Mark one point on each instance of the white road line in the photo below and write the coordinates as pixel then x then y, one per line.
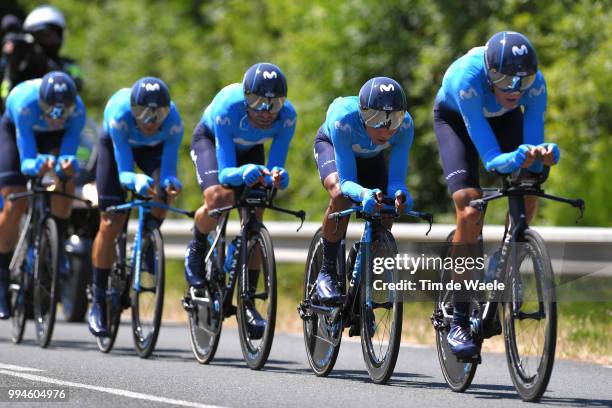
pixel 115 391
pixel 18 368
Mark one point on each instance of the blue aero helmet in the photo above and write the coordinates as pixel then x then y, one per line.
pixel 382 103
pixel 57 95
pixel 150 100
pixel 265 87
pixel 510 61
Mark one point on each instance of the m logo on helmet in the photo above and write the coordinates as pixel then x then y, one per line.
pixel 269 75
pixel 519 50
pixel 60 87
pixel 151 87
pixel 386 88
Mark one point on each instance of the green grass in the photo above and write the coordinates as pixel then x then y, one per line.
pixel 583 329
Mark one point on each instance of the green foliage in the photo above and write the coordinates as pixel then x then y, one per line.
pixel 328 49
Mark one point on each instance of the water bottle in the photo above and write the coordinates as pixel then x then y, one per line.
pixel 492 269
pixel 232 250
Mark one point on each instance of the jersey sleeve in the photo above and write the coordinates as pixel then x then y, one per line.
pixel 470 104
pixel 118 130
pixel 171 147
pixel 280 145
pixel 398 162
pixel 533 122
pixel 26 141
pixel 345 160
pixel 74 127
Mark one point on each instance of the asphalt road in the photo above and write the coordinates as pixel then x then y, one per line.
pixel 173 377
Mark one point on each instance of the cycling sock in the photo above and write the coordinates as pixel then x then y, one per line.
pixel 151 222
pixel 198 236
pixel 62 228
pixel 100 277
pixel 330 253
pixel 460 313
pixel 5 262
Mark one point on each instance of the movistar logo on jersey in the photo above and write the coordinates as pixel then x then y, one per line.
pixel 176 129
pixel 150 87
pixel 119 125
pixel 467 94
pixel 60 87
pixel 344 127
pixel 289 122
pixel 269 75
pixel 222 120
pixel 533 92
pixel 519 50
pixel 386 88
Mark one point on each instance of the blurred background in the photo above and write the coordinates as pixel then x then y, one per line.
pixel 329 49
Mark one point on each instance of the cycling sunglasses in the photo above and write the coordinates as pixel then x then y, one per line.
pixel 263 103
pixel 149 114
pixel 510 83
pixel 58 111
pixel 382 119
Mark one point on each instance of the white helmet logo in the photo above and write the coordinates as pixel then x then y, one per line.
pixel 269 75
pixel 60 87
pixel 386 88
pixel 519 50
pixel 151 87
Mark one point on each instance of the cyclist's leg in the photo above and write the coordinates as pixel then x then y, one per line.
pixel 460 164
pixel 111 225
pixel 508 129
pixel 214 196
pixel 11 181
pixel 327 288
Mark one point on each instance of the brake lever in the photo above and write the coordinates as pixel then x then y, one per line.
pixel 480 205
pixel 302 216
pixel 579 203
pixel 429 218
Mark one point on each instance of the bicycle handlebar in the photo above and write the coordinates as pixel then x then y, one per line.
pixel 386 209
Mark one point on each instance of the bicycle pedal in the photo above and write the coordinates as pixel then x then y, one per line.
pixel 303 310
pixel 475 359
pixel 187 304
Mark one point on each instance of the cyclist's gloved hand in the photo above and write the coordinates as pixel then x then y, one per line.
pixel 251 173
pixel 172 182
pixel 508 162
pixel 369 200
pixel 65 162
pixel 550 156
pixel 403 198
pixel 284 176
pixel 140 183
pixel 32 167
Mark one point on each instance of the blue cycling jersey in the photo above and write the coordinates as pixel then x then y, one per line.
pixel 226 117
pixel 120 124
pixel 24 112
pixel 347 132
pixel 465 90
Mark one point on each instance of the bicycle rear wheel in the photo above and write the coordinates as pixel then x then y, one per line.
pixel 260 256
pixel 381 316
pixel 46 266
pixel 148 302
pixel 322 334
pixel 458 375
pixel 530 319
pixel 20 295
pixel 118 289
pixel 205 312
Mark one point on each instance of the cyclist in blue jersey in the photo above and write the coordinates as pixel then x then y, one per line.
pixel 39 132
pixel 491 106
pixel 348 150
pixel 227 149
pixel 141 126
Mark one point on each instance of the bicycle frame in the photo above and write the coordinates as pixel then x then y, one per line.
pixel 144 206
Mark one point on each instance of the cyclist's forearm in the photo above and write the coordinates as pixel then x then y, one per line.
pixel 351 189
pixel 232 175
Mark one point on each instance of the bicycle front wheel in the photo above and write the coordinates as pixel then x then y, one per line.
pixel 260 297
pixel 148 299
pixel 46 265
pixel 381 315
pixel 530 317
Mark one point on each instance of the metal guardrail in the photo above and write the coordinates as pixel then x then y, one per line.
pixel 574 250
